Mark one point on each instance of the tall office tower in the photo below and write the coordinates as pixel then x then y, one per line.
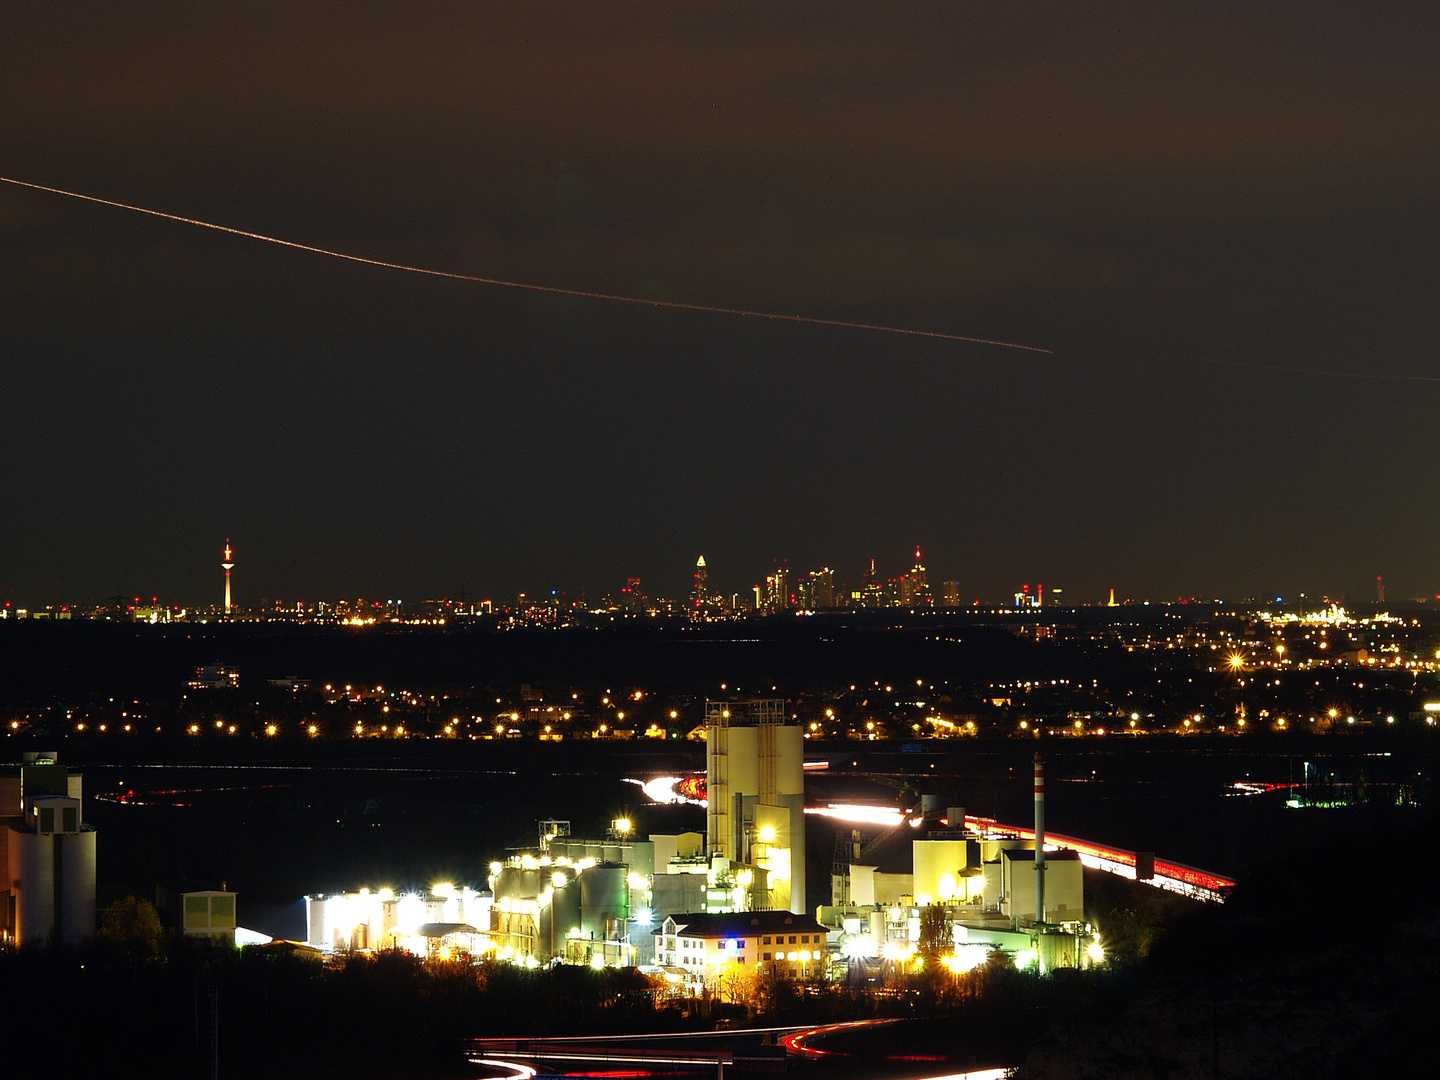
pixel 780 586
pixel 47 862
pixel 699 590
pixel 632 597
pixel 817 589
pixel 872 589
pixel 915 586
pixel 228 564
pixel 950 591
pixel 755 791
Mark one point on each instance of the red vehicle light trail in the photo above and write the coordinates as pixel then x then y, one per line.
pixel 1172 876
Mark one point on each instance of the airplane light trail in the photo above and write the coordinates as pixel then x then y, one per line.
pixel 555 290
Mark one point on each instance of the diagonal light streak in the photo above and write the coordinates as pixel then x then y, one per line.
pixel 528 286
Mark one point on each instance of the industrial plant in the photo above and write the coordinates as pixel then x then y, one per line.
pixel 692 906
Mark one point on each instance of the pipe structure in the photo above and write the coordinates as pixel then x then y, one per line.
pixel 1039 839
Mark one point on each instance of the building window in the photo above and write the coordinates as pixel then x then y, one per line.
pixel 804 939
pixel 792 939
pixel 767 956
pixel 766 939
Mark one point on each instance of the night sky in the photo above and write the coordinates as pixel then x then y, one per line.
pixel 1144 189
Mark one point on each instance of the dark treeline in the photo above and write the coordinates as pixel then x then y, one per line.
pixel 1323 964
pixel 282 1014
pixel 285 1014
pixel 74 659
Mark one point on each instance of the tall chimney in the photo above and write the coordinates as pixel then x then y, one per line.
pixel 1039 839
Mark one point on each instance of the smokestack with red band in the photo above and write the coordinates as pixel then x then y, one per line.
pixel 1039 839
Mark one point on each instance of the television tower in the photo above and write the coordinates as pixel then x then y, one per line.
pixel 228 564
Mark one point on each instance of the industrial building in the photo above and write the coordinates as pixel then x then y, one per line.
pixel 442 919
pixel 199 913
pixel 702 945
pixel 47 863
pixel 755 791
pixel 996 888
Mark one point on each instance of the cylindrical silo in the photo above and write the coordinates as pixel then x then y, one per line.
pixel 604 895
pixel 789 760
pixel 77 886
pixel 566 907
pixel 32 863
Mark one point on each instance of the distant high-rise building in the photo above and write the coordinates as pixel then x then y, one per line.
pixel 632 597
pixel 950 593
pixel 872 589
pixel 778 585
pixel 699 591
pixel 817 589
pixel 915 586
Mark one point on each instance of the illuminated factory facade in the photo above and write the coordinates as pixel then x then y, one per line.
pixel 985 878
pixel 429 923
pixel 580 900
pixel 755 791
pixel 598 901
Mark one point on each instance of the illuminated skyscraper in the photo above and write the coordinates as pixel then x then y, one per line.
pixel 817 589
pixel 872 589
pixel 778 585
pixel 228 564
pixel 632 596
pixel 915 586
pixel 699 591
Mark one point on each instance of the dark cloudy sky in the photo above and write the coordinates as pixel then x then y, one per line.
pixel 1143 188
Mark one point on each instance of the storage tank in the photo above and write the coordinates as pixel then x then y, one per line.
pixel 604 895
pixel 789 760
pixel 315 922
pixel 77 886
pixel 32 861
pixel 565 908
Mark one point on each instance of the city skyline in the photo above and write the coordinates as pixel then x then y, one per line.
pixel 780 588
pixel 1219 221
